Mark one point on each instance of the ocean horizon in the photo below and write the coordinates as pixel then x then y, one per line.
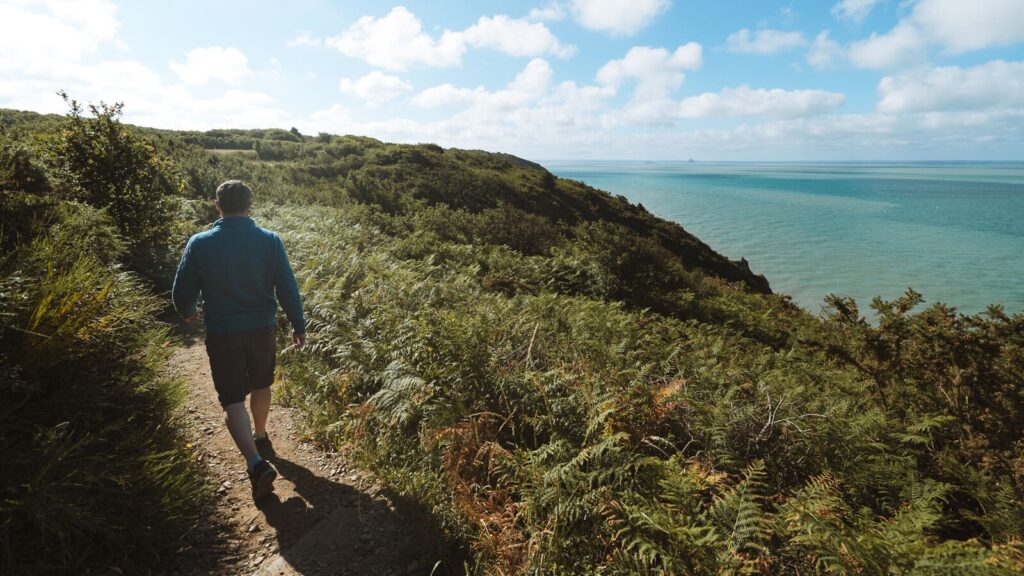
pixel 951 230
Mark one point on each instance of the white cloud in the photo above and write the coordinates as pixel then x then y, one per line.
pixel 397 40
pixel 552 11
pixel 766 41
pixel 51 45
pixel 447 95
pixel 375 87
pixel 336 119
pixel 957 26
pixel 515 37
pixel 960 26
pixel 824 52
pixel 529 85
pixel 235 108
pixel 33 32
pixel 149 101
pixel 993 85
pixel 228 65
pixel 745 101
pixel 617 17
pixel 533 81
pixel 657 72
pixel 901 46
pixel 305 38
pixel 952 135
pixel 530 109
pixel 856 10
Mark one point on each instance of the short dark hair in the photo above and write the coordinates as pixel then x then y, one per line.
pixel 234 197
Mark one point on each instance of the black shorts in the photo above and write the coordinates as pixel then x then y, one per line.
pixel 241 362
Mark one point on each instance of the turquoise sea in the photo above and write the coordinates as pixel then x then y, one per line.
pixel 952 231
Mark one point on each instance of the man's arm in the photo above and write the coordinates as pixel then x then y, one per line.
pixel 185 291
pixel 288 293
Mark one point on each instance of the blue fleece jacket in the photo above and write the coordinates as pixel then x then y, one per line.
pixel 238 267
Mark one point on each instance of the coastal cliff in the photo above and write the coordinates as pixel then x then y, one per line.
pixel 555 379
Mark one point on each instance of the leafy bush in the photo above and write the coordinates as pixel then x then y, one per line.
pixel 20 169
pixel 104 164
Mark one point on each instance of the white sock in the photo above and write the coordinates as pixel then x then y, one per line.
pixel 241 432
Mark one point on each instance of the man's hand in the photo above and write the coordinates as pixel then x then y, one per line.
pixel 298 340
pixel 193 318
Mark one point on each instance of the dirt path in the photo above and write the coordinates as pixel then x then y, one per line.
pixel 325 517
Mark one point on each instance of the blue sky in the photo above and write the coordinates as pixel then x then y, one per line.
pixel 561 79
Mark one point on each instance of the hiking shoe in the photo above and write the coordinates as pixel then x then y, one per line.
pixel 264 446
pixel 262 477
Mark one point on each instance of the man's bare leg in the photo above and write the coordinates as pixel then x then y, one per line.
pixel 237 420
pixel 261 474
pixel 259 403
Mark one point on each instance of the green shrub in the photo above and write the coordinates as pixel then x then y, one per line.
pixel 521 231
pixel 104 164
pixel 93 476
pixel 574 434
pixel 20 169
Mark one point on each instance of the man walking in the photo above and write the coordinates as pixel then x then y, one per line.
pixel 238 267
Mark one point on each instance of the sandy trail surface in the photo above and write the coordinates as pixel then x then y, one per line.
pixel 325 517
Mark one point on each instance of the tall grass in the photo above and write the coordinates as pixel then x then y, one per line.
pixel 94 473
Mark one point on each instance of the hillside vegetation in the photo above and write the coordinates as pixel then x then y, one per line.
pixel 570 384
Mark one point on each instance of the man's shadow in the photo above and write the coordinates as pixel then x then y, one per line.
pixel 333 528
pixel 361 534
